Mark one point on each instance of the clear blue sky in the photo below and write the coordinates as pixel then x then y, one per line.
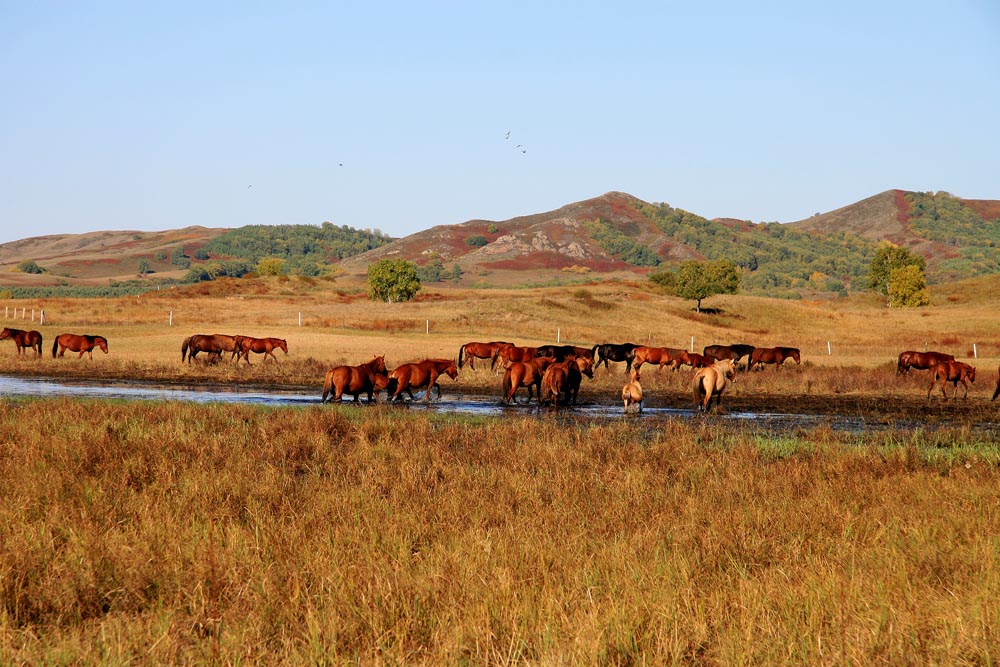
pixel 150 116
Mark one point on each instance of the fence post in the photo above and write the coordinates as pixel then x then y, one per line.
pixel 427 330
pixel 558 335
pixel 171 320
pixel 41 316
pixel 829 350
pixel 692 344
pixel 300 318
pixel 975 353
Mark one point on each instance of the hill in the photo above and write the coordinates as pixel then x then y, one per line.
pixel 611 236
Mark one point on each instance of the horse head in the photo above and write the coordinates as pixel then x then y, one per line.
pixel 102 343
pixel 451 371
pixel 377 365
pixel 586 366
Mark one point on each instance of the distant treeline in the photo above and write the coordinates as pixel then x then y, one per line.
pixel 944 218
pixel 112 289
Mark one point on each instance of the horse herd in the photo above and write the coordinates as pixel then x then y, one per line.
pixel 552 374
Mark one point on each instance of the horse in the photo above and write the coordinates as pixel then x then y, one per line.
pixel 710 382
pixel 24 339
pixel 773 355
pixel 563 379
pixel 997 391
pixel 355 380
pixel 563 352
pixel 525 374
pixel 632 392
pixel 473 351
pixel 922 361
pixel 420 374
pixel 266 346
pixel 509 355
pixel 692 359
pixel 661 356
pixel 213 344
pixel 734 352
pixel 615 352
pixel 82 343
pixel 954 372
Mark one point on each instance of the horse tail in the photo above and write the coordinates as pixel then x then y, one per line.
pixel 392 386
pixel 55 346
pixel 184 348
pixel 39 344
pixel 507 384
pixel 460 351
pixel 327 385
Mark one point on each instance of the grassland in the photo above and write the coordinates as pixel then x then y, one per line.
pixel 171 533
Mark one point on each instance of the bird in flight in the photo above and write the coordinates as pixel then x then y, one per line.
pixel 508 135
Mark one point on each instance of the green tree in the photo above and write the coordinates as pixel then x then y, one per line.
pixel 887 258
pixel 144 267
pixel 392 280
pixel 271 266
pixel 476 241
pixel 700 280
pixel 432 271
pixel 29 266
pixel 908 287
pixel 456 272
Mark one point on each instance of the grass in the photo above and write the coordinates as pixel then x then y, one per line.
pixel 163 532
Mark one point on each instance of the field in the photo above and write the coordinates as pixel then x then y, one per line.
pixel 170 533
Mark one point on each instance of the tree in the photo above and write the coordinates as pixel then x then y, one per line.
pixel 392 280
pixel 270 266
pixel 887 258
pixel 144 267
pixel 700 280
pixel 476 241
pixel 908 287
pixel 29 266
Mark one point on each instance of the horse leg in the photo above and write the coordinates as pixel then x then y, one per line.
pixel 430 385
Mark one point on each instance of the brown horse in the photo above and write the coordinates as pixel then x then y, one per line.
pixel 24 339
pixel 954 372
pixel 710 382
pixel 525 374
pixel 922 361
pixel 82 343
pixel 473 351
pixel 564 352
pixel 734 352
pixel 632 392
pixel 692 359
pixel 512 353
pixel 661 356
pixel 420 374
pixel 563 379
pixel 355 380
pixel 773 355
pixel 212 344
pixel 266 346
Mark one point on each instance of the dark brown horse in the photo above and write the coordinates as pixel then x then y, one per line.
pixel 473 351
pixel 563 352
pixel 212 344
pixel 734 352
pixel 356 380
pixel 954 372
pixel 614 352
pixel 562 379
pixel 266 346
pixel 661 356
pixel 525 374
pixel 24 339
pixel 773 355
pixel 408 377
pixel 82 343
pixel 922 361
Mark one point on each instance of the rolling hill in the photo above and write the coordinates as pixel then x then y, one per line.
pixel 613 235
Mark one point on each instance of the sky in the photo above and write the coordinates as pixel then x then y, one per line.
pixel 400 116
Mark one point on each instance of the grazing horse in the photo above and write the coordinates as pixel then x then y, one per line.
pixel 82 343
pixel 563 352
pixel 473 351
pixel 710 382
pixel 734 352
pixel 420 374
pixel 213 344
pixel 354 380
pixel 632 392
pixel 661 356
pixel 24 339
pixel 773 355
pixel 997 391
pixel 692 359
pixel 954 372
pixel 615 352
pixel 525 374
pixel 266 346
pixel 920 360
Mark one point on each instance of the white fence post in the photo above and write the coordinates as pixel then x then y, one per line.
pixel 829 350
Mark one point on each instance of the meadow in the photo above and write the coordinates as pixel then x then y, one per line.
pixel 172 533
